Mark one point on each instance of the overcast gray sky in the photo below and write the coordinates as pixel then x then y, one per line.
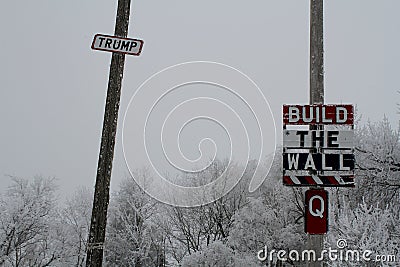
pixel 53 85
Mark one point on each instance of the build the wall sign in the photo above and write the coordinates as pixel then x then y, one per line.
pixel 318 157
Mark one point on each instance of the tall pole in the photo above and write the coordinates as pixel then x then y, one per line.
pixel 316 242
pixel 316 52
pixel 101 195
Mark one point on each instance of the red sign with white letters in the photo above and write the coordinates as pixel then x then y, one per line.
pixel 316 211
pixel 318 114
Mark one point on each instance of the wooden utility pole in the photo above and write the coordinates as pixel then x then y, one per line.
pixel 316 52
pixel 101 195
pixel 316 242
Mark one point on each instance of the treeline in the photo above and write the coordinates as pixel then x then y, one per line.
pixel 36 230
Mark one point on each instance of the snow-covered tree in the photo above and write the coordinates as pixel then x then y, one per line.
pixel 261 224
pixel 133 238
pixel 28 230
pixel 191 230
pixel 218 254
pixel 367 216
pixel 378 163
pixel 367 227
pixel 75 221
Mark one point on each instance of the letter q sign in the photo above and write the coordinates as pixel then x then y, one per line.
pixel 316 217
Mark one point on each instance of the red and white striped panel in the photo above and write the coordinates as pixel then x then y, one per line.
pixel 310 180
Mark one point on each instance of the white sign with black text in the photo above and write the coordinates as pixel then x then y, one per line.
pixel 117 44
pixel 315 139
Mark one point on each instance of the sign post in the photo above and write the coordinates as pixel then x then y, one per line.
pixel 119 45
pixel 321 156
pixel 316 242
